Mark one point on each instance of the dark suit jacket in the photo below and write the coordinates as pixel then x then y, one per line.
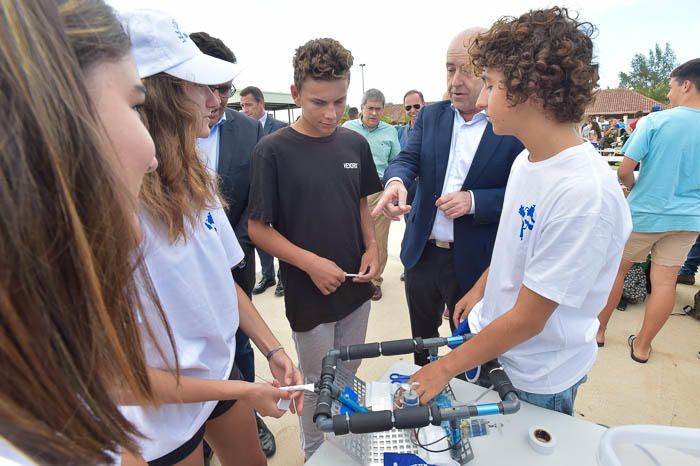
pixel 272 125
pixel 238 136
pixel 426 155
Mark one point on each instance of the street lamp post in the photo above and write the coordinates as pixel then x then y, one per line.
pixel 362 67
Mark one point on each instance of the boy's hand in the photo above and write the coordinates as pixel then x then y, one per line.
pixel 325 274
pixel 393 201
pixel 462 309
pixel 431 380
pixel 455 205
pixel 369 266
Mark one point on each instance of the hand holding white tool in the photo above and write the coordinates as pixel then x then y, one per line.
pixel 284 404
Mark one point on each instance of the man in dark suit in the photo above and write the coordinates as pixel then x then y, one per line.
pixel 253 105
pixel 228 151
pixel 462 169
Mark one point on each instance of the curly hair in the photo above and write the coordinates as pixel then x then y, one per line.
pixel 545 53
pixel 321 59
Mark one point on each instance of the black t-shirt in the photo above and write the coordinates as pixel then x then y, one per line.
pixel 309 190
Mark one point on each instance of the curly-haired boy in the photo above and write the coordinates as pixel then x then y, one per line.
pixel 308 207
pixel 564 221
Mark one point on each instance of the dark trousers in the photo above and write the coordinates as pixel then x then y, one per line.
pixel 267 263
pixel 693 261
pixel 430 285
pixel 245 278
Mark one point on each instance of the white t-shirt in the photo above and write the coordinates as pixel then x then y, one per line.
pixel 11 456
pixel 194 284
pixel 563 227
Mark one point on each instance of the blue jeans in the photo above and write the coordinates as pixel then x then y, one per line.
pixel 693 261
pixel 562 401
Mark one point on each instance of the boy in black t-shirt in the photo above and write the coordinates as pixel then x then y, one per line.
pixel 308 207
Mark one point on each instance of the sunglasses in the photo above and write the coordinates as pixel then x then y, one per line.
pixel 224 91
pixel 416 106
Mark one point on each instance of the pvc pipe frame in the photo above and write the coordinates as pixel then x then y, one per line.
pixel 323 416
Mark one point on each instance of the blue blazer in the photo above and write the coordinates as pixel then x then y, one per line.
pixel 272 125
pixel 425 156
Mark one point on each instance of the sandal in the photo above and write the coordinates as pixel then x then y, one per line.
pixel 630 342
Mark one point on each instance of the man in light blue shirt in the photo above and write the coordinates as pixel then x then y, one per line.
pixel 384 143
pixel 664 201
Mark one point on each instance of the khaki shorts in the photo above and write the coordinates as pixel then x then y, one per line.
pixel 669 248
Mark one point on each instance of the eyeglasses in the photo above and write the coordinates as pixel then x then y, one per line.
pixel 416 106
pixel 224 91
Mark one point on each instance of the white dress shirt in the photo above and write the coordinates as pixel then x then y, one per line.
pixel 263 119
pixel 466 136
pixel 209 147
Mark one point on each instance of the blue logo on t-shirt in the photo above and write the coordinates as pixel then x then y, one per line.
pixel 209 222
pixel 528 219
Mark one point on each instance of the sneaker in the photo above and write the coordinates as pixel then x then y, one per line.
pixel 686 279
pixel 279 290
pixel 267 440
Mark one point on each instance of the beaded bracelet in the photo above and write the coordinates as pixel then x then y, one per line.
pixel 273 351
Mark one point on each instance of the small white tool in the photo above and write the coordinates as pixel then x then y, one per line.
pixel 283 404
pixel 309 387
pixel 351 275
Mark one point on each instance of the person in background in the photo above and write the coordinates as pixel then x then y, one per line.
pixel 353 113
pixel 413 102
pixel 253 105
pixel 665 203
pixel 686 274
pixel 384 144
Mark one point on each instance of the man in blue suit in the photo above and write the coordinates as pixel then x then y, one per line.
pixel 253 105
pixel 462 169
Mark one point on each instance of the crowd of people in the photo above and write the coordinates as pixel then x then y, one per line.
pixel 134 201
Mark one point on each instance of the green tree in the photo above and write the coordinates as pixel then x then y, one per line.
pixel 649 75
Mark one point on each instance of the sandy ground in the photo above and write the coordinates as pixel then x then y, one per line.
pixel 618 392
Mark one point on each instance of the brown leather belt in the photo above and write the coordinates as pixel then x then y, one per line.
pixel 441 244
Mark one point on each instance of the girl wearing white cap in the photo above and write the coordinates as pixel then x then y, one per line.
pixel 189 249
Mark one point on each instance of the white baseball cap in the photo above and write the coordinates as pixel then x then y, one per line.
pixel 159 46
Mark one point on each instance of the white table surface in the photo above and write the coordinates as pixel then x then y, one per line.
pixel 577 439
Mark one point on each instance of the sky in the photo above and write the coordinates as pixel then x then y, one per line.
pixel 403 44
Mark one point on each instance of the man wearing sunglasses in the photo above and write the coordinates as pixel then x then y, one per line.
pixel 413 102
pixel 384 144
pixel 228 151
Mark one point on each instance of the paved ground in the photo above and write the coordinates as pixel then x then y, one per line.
pixel 618 392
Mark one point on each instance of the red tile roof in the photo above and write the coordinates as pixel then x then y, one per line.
pixel 620 102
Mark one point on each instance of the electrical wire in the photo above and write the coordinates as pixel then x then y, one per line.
pixel 420 445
